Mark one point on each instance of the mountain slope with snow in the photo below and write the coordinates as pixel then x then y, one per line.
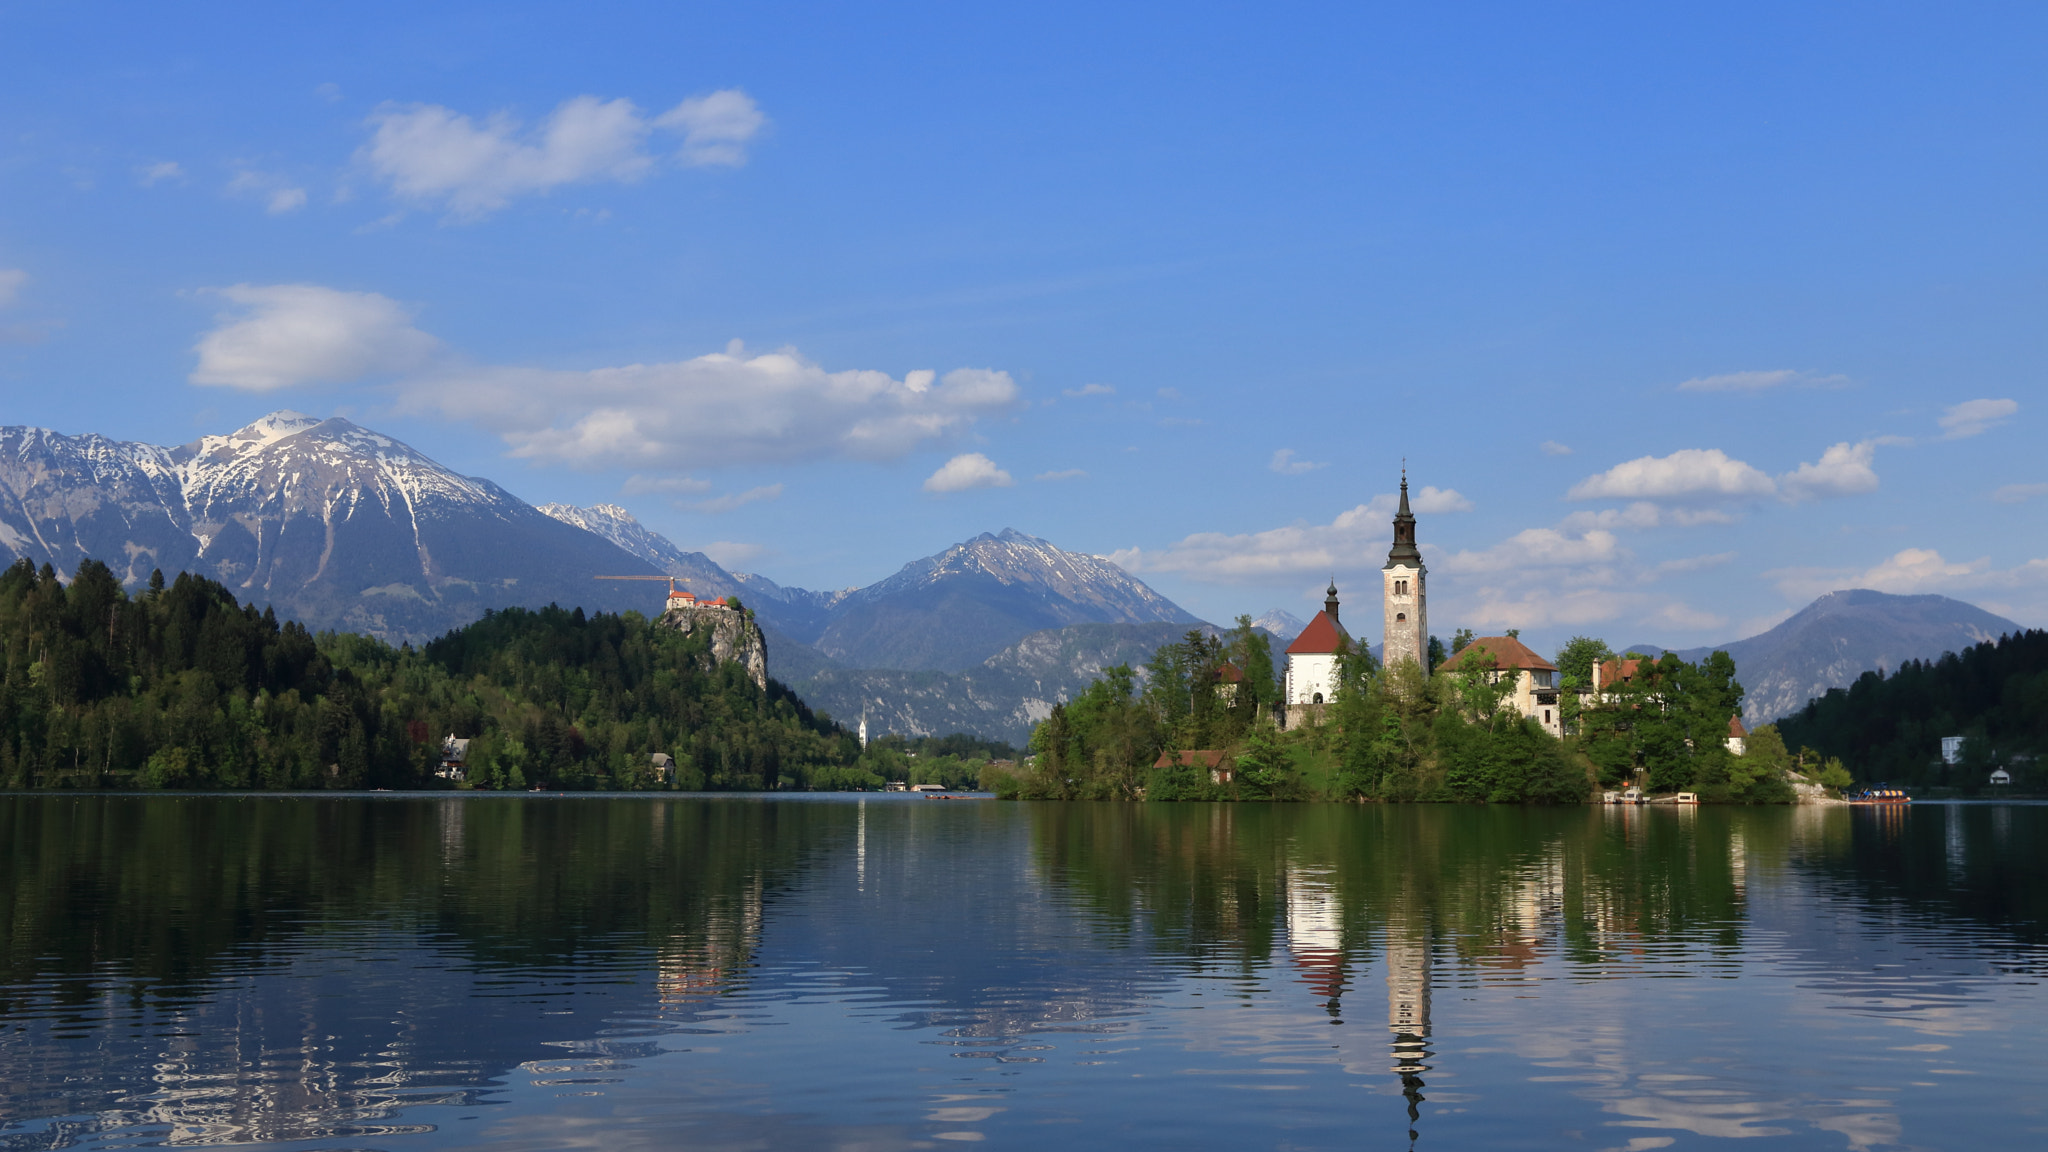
pixel 335 525
pixel 953 610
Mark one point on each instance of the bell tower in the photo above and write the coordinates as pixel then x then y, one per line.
pixel 1407 601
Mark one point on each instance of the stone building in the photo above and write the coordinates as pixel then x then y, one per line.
pixel 1406 598
pixel 1535 679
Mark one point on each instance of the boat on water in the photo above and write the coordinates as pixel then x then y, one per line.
pixel 1879 796
pixel 1687 798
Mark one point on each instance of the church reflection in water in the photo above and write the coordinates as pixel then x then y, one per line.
pixel 1316 939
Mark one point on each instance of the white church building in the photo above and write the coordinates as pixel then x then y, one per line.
pixel 1311 678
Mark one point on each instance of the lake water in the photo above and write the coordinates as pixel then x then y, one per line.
pixel 883 972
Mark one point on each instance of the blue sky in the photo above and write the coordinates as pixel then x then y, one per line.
pixel 1684 313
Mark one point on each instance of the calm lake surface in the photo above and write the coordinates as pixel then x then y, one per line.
pixel 893 972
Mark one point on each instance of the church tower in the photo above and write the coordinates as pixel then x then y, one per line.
pixel 1407 603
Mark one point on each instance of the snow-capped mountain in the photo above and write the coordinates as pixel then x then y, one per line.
pixel 700 572
pixel 1284 625
pixel 791 614
pixel 954 610
pixel 334 524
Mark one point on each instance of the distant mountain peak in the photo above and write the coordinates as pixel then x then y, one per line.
pixel 1840 636
pixel 1281 623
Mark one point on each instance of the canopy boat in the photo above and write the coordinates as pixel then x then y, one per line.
pixel 1879 796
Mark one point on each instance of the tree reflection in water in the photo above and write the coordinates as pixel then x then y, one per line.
pixel 234 969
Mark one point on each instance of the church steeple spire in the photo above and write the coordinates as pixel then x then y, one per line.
pixel 1330 600
pixel 1404 552
pixel 1407 601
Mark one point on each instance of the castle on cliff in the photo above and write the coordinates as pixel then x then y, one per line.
pixel 1404 602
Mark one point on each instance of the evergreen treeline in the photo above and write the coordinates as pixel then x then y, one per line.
pixel 1395 735
pixel 181 686
pixel 1889 728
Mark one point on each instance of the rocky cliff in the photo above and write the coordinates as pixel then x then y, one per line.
pixel 734 637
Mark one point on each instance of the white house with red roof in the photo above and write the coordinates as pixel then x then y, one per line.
pixel 1312 664
pixel 1535 679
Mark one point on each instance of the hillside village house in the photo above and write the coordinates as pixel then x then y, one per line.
pixel 1535 679
pixel 1608 673
pixel 454 759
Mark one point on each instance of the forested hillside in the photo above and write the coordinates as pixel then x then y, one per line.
pixel 1994 694
pixel 181 686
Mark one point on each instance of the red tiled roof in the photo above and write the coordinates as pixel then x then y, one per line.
pixel 1228 673
pixel 1507 652
pixel 1322 637
pixel 1735 729
pixel 1613 670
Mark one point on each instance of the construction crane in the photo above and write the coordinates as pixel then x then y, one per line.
pixel 675 598
pixel 671 580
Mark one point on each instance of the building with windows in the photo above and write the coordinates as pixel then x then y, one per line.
pixel 1534 691
pixel 1405 600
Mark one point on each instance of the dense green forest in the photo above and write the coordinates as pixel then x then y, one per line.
pixel 181 686
pixel 1395 735
pixel 1889 728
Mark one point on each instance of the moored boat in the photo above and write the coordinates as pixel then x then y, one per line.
pixel 1879 796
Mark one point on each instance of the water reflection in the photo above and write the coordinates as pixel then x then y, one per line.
pixel 223 970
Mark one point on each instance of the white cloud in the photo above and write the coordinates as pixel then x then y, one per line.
pixel 965 471
pixel 1548 607
pixel 1355 539
pixel 278 194
pixel 734 500
pixel 1642 516
pixel 291 334
pixel 728 553
pixel 724 408
pixel 719 409
pixel 1434 500
pixel 1843 470
pixel 11 282
pixel 1760 381
pixel 1699 476
pixel 1687 618
pixel 1346 543
pixel 1553 448
pixel 1284 463
pixel 152 174
pixel 1540 548
pixel 1694 563
pixel 1974 416
pixel 715 128
pixel 329 92
pixel 1089 390
pixel 1910 570
pixel 1696 474
pixel 1169 394
pixel 636 484
pixel 1062 474
pixel 434 154
pixel 2019 493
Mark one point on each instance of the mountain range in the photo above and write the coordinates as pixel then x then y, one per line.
pixel 335 525
pixel 1835 639
pixel 342 527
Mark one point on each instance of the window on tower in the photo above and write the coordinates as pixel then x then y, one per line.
pixel 1400 616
